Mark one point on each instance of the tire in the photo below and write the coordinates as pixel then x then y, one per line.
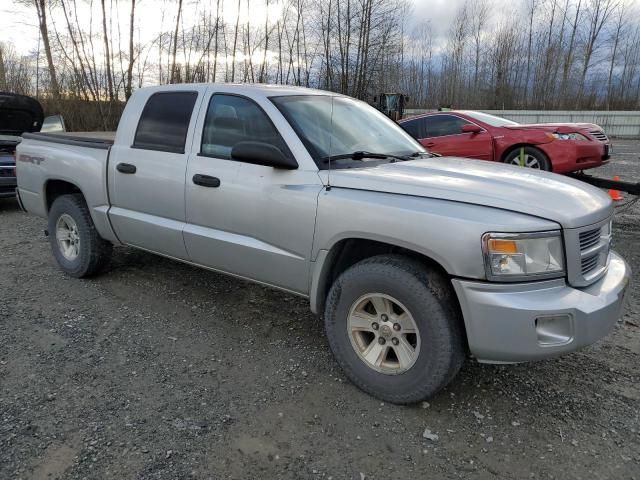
pixel 75 242
pixel 427 296
pixel 531 156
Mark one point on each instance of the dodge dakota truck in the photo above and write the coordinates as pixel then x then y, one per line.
pixel 413 263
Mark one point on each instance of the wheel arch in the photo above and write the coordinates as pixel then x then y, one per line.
pixel 507 151
pixel 346 252
pixel 54 188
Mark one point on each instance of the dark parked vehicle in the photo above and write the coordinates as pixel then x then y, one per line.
pixel 18 114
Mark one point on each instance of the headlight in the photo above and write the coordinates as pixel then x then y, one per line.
pixel 569 136
pixel 511 257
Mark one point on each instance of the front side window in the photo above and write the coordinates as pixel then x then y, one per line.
pixel 441 125
pixel 231 119
pixel 332 125
pixel 164 122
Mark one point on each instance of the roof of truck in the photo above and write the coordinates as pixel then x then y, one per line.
pixel 266 89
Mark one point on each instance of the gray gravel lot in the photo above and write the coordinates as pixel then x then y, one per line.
pixel 156 369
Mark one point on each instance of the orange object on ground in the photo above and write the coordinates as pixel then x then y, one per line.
pixel 615 194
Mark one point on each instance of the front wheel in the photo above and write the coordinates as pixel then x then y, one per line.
pixel 75 242
pixel 529 157
pixel 394 329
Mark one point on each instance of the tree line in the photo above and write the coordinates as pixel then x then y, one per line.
pixel 546 54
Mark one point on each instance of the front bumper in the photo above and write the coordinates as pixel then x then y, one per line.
pixel 568 156
pixel 510 323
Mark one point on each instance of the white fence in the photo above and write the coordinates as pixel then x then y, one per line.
pixel 619 124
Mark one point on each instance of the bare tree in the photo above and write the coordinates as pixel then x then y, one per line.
pixel 174 73
pixel 235 44
pixel 579 53
pixel 132 59
pixel 3 74
pixel 599 12
pixel 41 8
pixel 620 27
pixel 107 54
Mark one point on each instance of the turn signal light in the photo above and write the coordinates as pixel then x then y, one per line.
pixel 502 246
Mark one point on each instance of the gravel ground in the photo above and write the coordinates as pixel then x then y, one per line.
pixel 160 370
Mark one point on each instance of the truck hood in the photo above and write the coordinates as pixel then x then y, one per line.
pixel 564 200
pixel 19 114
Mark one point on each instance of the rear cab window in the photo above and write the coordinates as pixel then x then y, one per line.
pixel 164 122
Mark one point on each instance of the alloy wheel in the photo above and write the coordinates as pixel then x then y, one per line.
pixel 68 237
pixel 383 333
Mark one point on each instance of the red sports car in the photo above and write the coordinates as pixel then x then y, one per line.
pixel 557 147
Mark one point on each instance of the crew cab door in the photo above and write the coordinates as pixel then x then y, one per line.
pixel 442 133
pixel 253 221
pixel 147 166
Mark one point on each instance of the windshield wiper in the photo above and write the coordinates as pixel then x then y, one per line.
pixel 360 155
pixel 428 154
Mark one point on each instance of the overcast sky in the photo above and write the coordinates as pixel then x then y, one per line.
pixel 18 23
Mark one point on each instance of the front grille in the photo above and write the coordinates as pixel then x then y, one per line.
pixel 589 238
pixel 599 135
pixel 589 264
pixel 7 171
pixel 587 251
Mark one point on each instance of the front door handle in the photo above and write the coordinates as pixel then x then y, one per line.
pixel 206 181
pixel 126 168
pixel 429 144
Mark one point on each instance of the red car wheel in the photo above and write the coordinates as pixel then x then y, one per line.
pixel 528 157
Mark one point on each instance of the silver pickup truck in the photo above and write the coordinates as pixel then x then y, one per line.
pixel 413 261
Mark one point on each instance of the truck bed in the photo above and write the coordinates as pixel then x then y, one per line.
pixel 78 158
pixel 102 140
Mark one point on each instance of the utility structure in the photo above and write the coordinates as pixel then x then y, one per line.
pixel 391 104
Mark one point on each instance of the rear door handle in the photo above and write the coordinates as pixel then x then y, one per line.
pixel 429 144
pixel 206 181
pixel 126 168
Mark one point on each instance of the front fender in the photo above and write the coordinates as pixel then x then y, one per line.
pixel 447 232
pixel 506 143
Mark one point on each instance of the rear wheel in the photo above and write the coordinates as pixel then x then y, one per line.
pixel 529 157
pixel 393 328
pixel 75 242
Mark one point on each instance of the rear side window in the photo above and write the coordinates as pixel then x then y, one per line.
pixel 441 125
pixel 165 121
pixel 231 119
pixel 416 128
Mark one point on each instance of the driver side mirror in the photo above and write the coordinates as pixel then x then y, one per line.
pixel 471 128
pixel 53 124
pixel 260 153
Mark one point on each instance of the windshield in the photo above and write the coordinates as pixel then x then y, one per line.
pixel 490 119
pixel 332 126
